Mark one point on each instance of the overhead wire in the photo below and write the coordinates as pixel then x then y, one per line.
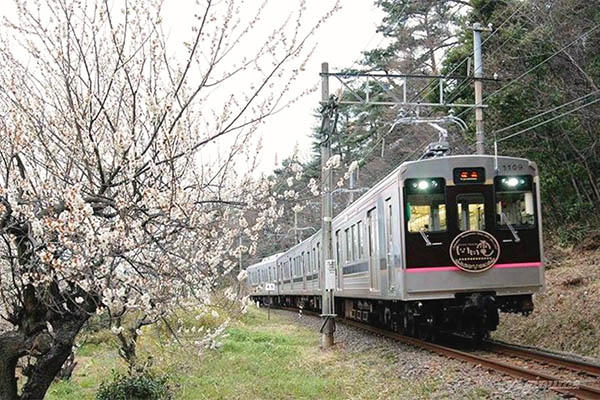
pixel 548 120
pixel 530 70
pixel 470 78
pixel 546 112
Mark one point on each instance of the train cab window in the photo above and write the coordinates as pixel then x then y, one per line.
pixel 426 213
pixel 471 211
pixel 425 205
pixel 515 204
pixel 515 208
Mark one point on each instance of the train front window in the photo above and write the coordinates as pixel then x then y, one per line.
pixel 515 205
pixel 516 208
pixel 426 212
pixel 471 211
pixel 425 206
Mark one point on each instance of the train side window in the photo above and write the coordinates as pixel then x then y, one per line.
pixel 354 243
pixel 471 211
pixel 319 256
pixel 426 212
pixel 348 241
pixel 361 244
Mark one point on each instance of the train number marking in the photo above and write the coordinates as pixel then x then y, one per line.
pixel 511 167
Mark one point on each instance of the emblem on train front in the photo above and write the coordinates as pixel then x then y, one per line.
pixel 474 251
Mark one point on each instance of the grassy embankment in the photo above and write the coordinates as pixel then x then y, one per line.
pixel 567 314
pixel 259 359
pixel 275 359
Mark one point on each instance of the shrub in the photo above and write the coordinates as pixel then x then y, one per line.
pixel 139 386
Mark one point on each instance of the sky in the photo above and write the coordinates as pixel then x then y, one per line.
pixel 340 43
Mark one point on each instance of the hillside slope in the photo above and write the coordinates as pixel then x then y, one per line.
pixel 567 314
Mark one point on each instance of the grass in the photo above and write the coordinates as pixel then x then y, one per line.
pixel 259 359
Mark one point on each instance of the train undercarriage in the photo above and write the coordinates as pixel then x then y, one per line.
pixel 470 314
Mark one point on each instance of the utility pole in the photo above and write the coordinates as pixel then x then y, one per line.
pixel 327 303
pixel 478 75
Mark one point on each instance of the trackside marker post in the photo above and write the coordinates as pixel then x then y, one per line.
pixel 270 287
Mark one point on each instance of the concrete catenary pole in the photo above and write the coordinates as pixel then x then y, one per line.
pixel 327 305
pixel 478 74
pixel 351 188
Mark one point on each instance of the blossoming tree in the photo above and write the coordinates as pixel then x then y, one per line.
pixel 120 182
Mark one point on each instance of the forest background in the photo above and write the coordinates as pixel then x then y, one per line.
pixel 544 56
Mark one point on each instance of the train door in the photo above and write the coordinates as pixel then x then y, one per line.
pixel 389 243
pixel 373 246
pixel 474 208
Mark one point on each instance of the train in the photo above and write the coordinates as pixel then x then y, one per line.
pixel 440 244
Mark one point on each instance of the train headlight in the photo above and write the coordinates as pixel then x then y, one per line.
pixel 423 185
pixel 513 181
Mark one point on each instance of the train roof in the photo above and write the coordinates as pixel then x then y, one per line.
pixel 265 261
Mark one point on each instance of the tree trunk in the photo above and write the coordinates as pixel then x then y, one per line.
pixel 12 346
pixel 49 364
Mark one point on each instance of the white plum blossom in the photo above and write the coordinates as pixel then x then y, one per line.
pixel 131 200
pixel 116 329
pixel 313 187
pixel 296 167
pixel 290 181
pixel 333 162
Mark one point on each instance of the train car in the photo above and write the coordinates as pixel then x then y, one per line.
pixel 261 274
pixel 440 244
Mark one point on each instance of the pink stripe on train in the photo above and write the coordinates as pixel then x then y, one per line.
pixel 453 268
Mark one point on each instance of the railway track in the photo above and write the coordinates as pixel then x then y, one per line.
pixel 567 376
